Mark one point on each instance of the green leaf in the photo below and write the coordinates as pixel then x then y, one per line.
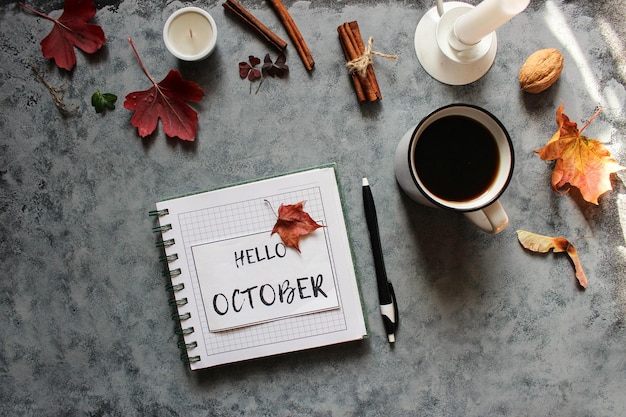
pixel 102 101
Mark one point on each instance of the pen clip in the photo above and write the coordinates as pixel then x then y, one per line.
pixel 395 306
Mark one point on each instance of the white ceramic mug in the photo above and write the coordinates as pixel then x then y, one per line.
pixel 459 157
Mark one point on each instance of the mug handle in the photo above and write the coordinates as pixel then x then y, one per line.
pixel 491 219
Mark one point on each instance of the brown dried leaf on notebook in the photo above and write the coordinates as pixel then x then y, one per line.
pixel 293 223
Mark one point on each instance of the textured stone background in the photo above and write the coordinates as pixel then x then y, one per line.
pixel 487 328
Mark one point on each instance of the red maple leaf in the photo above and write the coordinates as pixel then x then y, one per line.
pixel 69 30
pixel 293 223
pixel 165 100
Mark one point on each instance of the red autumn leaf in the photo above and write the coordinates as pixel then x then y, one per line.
pixel 69 31
pixel 543 244
pixel 293 223
pixel 165 100
pixel 581 162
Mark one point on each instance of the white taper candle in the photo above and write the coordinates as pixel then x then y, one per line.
pixel 486 17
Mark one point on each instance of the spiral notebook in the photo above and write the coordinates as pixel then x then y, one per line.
pixel 239 291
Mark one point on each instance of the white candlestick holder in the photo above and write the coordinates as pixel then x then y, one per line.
pixel 440 48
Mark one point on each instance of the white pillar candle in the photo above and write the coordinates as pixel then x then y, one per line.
pixel 190 34
pixel 483 19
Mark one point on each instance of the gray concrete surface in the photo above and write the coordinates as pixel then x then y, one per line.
pixel 488 329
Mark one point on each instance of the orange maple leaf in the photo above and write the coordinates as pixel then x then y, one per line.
pixel 581 162
pixel 540 243
pixel 293 223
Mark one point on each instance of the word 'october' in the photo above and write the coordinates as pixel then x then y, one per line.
pixel 267 294
pixel 253 255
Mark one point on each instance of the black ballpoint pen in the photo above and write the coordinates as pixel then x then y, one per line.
pixel 386 296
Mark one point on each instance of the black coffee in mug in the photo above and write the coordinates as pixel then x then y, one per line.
pixel 456 158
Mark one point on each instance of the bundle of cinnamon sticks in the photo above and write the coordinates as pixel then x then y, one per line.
pixel 366 87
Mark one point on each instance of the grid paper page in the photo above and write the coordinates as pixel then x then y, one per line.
pixel 244 218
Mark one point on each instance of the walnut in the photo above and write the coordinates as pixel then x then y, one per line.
pixel 541 70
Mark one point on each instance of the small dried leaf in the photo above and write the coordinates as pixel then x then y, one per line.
pixel 275 69
pixel 293 223
pixel 248 70
pixel 543 244
pixel 244 68
pixel 254 61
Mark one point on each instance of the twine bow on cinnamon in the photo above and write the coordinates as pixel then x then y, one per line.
pixel 360 64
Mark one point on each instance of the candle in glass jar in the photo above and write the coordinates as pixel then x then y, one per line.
pixel 489 15
pixel 190 34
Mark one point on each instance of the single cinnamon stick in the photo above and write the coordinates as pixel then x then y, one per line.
pixel 346 47
pixel 358 88
pixel 371 76
pixel 246 17
pixel 294 34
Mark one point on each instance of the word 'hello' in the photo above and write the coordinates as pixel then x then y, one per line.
pixel 252 256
